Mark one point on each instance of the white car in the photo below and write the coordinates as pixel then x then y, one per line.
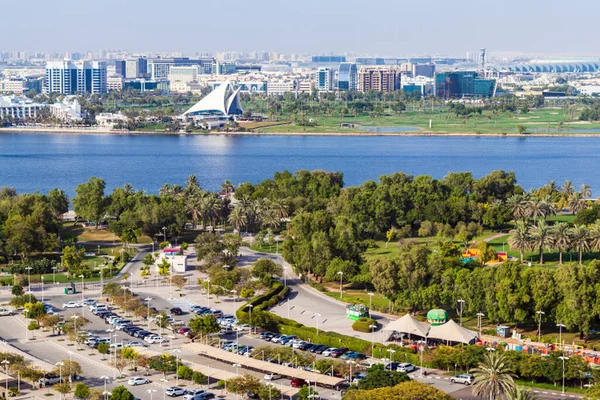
pixel 71 304
pixel 192 393
pixel 174 391
pixel 152 339
pixel 116 346
pixel 406 368
pixel 243 327
pixel 135 343
pixel 138 380
pixel 327 352
pixel 272 377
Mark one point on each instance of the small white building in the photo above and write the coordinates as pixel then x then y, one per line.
pixel 175 256
pixel 67 110
pixel 109 120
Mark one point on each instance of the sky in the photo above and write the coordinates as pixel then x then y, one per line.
pixel 374 27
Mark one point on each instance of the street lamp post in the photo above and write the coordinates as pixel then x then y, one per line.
pixel 540 313
pixel 391 351
pixel 42 288
pixel 341 274
pixel 560 326
pixel 370 302
pixel 373 327
pixel 26 312
pixel 563 358
pixel 106 378
pixel 177 351
pixel 250 306
pixel 75 318
pixel 29 281
pixel 60 365
pixel 461 302
pixel 236 368
pixel 285 275
pixel 54 275
pixel 480 315
pixel 150 391
pixel 208 293
pixel 82 297
pixel 317 315
pixel 6 362
pixel 164 229
pixel 148 299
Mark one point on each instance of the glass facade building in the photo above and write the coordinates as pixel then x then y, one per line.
pixel 348 77
pixel 460 84
pixel 70 77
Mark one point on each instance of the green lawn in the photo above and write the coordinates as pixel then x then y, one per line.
pixel 267 248
pixel 379 303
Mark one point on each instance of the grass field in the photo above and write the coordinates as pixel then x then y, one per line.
pixel 546 120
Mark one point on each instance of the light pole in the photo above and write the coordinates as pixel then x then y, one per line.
pixel 116 336
pixel 106 378
pixel 150 391
pixel 341 274
pixel 563 358
pixel 285 275
pixel 370 302
pixel 391 351
pixel 109 331
pixel 422 349
pixel 26 312
pixel 234 292
pixel 317 315
pixel 373 327
pixel 540 313
pixel 461 302
pixel 164 229
pixel 560 326
pixel 75 318
pixel 177 351
pixel 29 281
pixel 54 275
pixel 350 362
pixel 480 315
pixel 208 293
pixel 148 299
pixel 42 288
pixel 101 278
pixel 82 297
pixel 236 368
pixel 6 362
pixel 60 365
pixel 250 306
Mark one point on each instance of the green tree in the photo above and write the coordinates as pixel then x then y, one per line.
pixel 246 293
pixel 519 238
pixel 163 363
pixel 103 348
pixel 378 377
pixel 72 258
pixel 90 202
pixel 204 325
pixel 579 238
pixel 493 379
pixel 199 378
pixel 540 235
pixel 82 391
pixel 185 372
pixel 266 267
pixel 63 388
pixel 561 239
pixel 17 290
pixel 121 393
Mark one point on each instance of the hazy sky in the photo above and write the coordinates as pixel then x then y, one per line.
pixel 378 27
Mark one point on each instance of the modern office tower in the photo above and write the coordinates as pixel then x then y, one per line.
pixel 121 67
pixel 158 68
pixel 324 79
pixel 348 77
pixel 70 77
pixel 136 68
pixel 426 70
pixel 382 79
pixel 461 84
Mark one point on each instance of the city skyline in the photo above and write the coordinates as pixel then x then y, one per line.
pixel 437 27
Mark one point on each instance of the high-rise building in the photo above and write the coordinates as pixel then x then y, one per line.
pixel 381 79
pixel 70 77
pixel 348 77
pixel 460 84
pixel 121 67
pixel 426 70
pixel 325 79
pixel 136 68
pixel 158 68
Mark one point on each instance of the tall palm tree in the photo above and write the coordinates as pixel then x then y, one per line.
pixel 594 236
pixel 586 191
pixel 280 207
pixel 227 187
pixel 568 188
pixel 551 185
pixel 536 208
pixel 192 185
pixel 518 205
pixel 540 237
pixel 194 207
pixel 493 377
pixel 521 394
pixel 519 238
pixel 579 239
pixel 237 218
pixel 561 239
pixel 577 202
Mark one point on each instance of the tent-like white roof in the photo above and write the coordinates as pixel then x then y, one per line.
pixel 218 100
pixel 408 324
pixel 452 332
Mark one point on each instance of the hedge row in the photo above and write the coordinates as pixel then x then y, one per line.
pixel 266 300
pixel 364 324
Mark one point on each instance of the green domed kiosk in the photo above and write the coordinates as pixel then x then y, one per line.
pixel 437 317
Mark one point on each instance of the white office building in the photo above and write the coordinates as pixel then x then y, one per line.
pixel 70 77
pixel 19 107
pixel 325 79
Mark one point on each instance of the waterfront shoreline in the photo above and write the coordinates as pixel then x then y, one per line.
pixel 423 133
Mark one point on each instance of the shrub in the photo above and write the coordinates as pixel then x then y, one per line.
pixel 199 378
pixel 185 372
pixel 363 324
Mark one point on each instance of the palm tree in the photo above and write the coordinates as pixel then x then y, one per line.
pixel 194 208
pixel 536 208
pixel 586 190
pixel 540 237
pixel 237 218
pixel 577 202
pixel 518 205
pixel 551 185
pixel 579 239
pixel 493 378
pixel 192 186
pixel 594 236
pixel 568 188
pixel 227 188
pixel 519 238
pixel 561 237
pixel 521 394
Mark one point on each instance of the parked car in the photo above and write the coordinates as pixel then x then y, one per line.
pixel 205 396
pixel 465 379
pixel 71 304
pixel 138 380
pixel 194 391
pixel 406 368
pixel 135 343
pixel 266 335
pixel 176 311
pixel 272 377
pixel 89 302
pixel 297 382
pixel 393 366
pixel 320 349
pixel 174 391
pixel 327 352
pixel 49 379
pixel 243 327
pixel 338 352
pixel 183 330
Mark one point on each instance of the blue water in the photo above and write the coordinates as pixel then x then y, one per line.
pixel 32 162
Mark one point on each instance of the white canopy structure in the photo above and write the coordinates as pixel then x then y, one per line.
pixel 452 332
pixel 408 324
pixel 223 100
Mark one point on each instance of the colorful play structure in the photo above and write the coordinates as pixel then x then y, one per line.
pixel 355 311
pixel 473 254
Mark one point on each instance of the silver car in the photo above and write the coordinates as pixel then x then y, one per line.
pixel 465 379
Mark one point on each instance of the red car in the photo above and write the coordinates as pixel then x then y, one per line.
pixel 297 382
pixel 182 331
